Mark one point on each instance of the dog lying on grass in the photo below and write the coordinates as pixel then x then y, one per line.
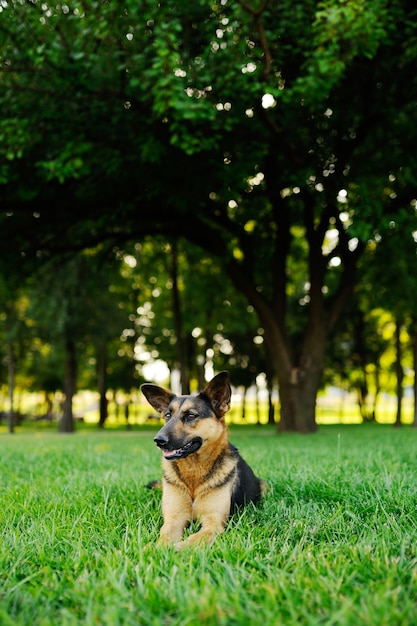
pixel 204 477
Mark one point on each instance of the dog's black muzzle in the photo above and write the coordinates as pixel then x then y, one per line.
pixel 173 450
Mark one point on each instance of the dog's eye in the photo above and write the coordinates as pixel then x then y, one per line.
pixel 189 417
pixel 167 415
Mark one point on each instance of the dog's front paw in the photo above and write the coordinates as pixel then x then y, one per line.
pixel 166 541
pixel 201 538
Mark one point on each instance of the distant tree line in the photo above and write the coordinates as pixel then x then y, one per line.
pixel 93 320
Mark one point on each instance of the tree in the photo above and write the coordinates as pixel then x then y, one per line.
pixel 393 288
pixel 14 333
pixel 216 326
pixel 281 154
pixel 86 309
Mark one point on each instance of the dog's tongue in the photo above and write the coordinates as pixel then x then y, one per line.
pixel 168 453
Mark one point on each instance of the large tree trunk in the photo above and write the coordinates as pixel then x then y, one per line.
pixel 66 424
pixel 299 377
pixel 297 354
pixel 298 395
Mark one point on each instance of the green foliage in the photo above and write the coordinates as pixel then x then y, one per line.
pixel 334 540
pixel 151 85
pixel 342 32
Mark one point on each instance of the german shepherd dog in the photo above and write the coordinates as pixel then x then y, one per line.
pixel 204 477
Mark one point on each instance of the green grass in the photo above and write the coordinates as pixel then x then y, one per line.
pixel 333 543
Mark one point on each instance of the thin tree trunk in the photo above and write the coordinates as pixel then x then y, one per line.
pixel 244 402
pixel 66 424
pixel 127 413
pixel 102 383
pixel 399 373
pixel 413 334
pixel 182 351
pixel 377 389
pixel 258 412
pixel 11 364
pixel 271 407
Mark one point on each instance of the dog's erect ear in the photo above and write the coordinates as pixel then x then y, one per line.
pixel 219 392
pixel 158 397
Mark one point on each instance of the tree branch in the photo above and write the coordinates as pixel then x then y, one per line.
pixel 256 15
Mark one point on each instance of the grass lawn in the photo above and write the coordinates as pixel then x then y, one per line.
pixel 333 543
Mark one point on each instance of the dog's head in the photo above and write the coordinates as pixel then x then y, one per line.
pixel 190 421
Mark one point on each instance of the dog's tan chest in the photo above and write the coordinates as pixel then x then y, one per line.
pixel 195 477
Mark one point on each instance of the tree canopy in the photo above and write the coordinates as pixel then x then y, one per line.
pixel 280 137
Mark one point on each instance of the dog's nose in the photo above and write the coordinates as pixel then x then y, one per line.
pixel 161 440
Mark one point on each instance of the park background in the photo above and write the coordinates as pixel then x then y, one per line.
pixel 187 187
pixel 208 186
